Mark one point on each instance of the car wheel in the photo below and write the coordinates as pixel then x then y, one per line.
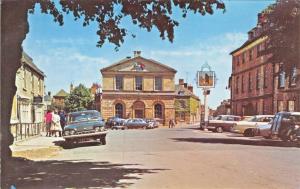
pixel 219 129
pixel 103 140
pixel 69 143
pixel 249 133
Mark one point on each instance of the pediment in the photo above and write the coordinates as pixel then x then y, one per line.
pixel 138 64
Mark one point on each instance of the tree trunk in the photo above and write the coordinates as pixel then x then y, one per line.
pixel 14 27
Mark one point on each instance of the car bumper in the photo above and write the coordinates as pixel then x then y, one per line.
pixel 86 135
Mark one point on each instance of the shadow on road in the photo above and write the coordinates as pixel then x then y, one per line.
pixel 67 174
pixel 64 145
pixel 261 142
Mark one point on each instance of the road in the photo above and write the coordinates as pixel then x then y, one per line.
pixel 170 158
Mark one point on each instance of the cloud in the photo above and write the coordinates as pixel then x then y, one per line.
pixel 215 50
pixel 65 65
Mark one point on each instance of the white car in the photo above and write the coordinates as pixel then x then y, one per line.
pixel 249 125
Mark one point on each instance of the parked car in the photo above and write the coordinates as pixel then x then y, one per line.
pixel 85 126
pixel 135 123
pixel 114 121
pixel 286 126
pixel 152 123
pixel 248 125
pixel 263 130
pixel 222 123
pixel 202 123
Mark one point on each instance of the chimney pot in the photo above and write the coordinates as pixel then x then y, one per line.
pixel 190 88
pixel 185 85
pixel 181 82
pixel 136 53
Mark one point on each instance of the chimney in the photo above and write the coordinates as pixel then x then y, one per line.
pixel 185 85
pixel 49 93
pixel 190 88
pixel 181 82
pixel 136 53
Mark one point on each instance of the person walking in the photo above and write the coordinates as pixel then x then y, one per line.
pixel 48 121
pixel 56 127
pixel 62 116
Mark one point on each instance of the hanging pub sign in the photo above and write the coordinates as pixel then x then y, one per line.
pixel 206 79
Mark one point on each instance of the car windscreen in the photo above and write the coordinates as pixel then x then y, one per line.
pixel 84 116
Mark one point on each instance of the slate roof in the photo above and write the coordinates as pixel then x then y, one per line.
pixel 29 62
pixel 186 92
pixel 61 93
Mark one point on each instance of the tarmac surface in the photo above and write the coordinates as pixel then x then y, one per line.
pixel 160 158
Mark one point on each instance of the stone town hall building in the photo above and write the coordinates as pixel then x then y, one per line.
pixel 138 88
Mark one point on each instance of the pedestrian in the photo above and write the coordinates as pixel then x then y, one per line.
pixel 171 123
pixel 62 116
pixel 56 127
pixel 48 121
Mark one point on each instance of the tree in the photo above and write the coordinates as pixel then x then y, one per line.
pixel 79 99
pixel 14 27
pixel 284 33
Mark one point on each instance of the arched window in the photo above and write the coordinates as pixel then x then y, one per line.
pixel 119 110
pixel 158 111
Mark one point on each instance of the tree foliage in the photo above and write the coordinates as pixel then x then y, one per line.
pixel 284 33
pixel 146 14
pixel 79 99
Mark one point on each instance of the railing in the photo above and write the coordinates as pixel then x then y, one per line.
pixel 21 131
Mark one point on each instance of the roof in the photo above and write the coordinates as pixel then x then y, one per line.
pixel 61 93
pixel 132 59
pixel 29 62
pixel 186 92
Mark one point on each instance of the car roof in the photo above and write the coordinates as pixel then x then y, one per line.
pixel 264 115
pixel 291 113
pixel 84 111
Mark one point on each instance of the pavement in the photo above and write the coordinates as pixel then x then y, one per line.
pixel 40 147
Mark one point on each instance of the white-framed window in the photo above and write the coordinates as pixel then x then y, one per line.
pixel 119 82
pixel 138 83
pixel 291 105
pixel 293 76
pixel 281 78
pixel 158 83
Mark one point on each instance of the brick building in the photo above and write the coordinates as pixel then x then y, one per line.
pixel 138 88
pixel 58 100
pixel 258 86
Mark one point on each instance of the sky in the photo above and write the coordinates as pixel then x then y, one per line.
pixel 68 54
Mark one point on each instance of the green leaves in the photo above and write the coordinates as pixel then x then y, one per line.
pixel 79 99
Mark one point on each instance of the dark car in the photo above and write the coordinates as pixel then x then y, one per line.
pixel 152 123
pixel 223 123
pixel 85 126
pixel 135 123
pixel 114 121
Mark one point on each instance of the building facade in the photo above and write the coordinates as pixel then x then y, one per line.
pixel 28 104
pixel 58 100
pixel 187 104
pixel 257 85
pixel 223 109
pixel 138 88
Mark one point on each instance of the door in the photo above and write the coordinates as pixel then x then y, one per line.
pixel 139 113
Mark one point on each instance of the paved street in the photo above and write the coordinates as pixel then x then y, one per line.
pixel 169 158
